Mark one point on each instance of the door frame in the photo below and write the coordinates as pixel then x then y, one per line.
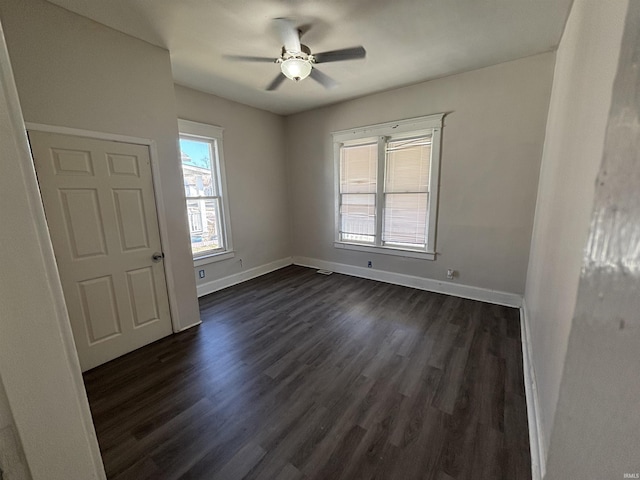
pixel 157 194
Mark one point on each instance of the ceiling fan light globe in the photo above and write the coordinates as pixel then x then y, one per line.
pixel 296 68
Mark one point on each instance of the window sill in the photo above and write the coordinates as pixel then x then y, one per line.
pixel 214 257
pixel 386 251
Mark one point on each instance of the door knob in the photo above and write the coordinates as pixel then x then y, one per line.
pixel 157 256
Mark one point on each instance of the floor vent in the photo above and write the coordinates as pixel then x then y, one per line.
pixel 324 272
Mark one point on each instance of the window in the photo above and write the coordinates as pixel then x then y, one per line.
pixel 205 191
pixel 387 187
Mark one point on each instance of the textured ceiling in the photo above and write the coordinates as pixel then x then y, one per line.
pixel 407 41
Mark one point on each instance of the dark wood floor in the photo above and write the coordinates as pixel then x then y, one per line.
pixel 296 375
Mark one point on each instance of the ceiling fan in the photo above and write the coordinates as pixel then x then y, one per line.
pixel 296 60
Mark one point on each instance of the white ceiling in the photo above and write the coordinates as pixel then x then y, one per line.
pixel 407 41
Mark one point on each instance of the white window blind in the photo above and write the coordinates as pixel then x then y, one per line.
pixel 406 192
pixel 358 180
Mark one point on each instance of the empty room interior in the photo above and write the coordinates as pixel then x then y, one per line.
pixel 320 239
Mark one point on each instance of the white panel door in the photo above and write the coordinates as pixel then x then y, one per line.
pixel 99 202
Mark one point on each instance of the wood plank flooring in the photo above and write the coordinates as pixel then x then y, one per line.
pixel 295 375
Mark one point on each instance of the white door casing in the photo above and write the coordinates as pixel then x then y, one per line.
pixel 99 202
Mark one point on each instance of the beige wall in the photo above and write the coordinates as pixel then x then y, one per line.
pixel 580 100
pixel 256 174
pixel 5 412
pixel 39 371
pixel 73 72
pixel 596 432
pixel 12 460
pixel 492 144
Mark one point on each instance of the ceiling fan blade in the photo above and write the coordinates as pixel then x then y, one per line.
pixel 248 58
pixel 352 53
pixel 303 29
pixel 325 80
pixel 289 34
pixel 276 82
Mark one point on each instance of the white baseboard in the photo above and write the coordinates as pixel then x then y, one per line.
pixel 449 288
pixel 219 284
pixel 536 436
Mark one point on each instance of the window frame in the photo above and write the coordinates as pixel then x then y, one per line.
pixel 384 132
pixel 211 133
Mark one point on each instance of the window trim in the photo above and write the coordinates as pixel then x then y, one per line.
pixel 431 124
pixel 188 128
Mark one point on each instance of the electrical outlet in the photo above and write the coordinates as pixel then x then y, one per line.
pixel 451 273
pixel 201 273
pixel 369 264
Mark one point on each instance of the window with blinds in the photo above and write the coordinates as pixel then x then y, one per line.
pixel 387 186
